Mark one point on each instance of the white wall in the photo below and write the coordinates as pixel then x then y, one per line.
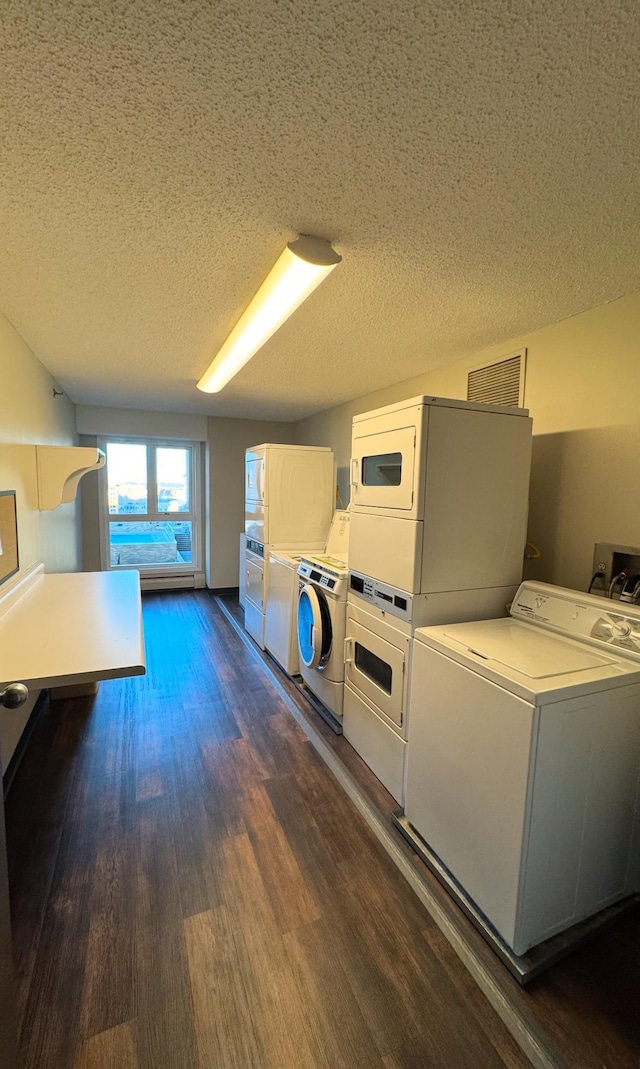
pixel 583 391
pixel 31 415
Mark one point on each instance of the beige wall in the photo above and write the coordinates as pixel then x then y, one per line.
pixel 583 391
pixel 228 439
pixel 31 415
pixel 94 420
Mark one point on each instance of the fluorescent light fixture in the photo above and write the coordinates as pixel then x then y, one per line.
pixel 295 274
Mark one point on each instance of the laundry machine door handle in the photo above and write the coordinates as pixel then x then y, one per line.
pixel 355 475
pixel 348 650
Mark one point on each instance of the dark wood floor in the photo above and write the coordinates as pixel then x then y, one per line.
pixel 584 1012
pixel 191 888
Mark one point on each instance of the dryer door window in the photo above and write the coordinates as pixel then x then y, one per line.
pixel 383 467
pixel 315 633
pixel 374 667
pixel 254 479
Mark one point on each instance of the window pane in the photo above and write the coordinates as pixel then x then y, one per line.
pixel 173 480
pixel 385 469
pixel 163 545
pixel 127 477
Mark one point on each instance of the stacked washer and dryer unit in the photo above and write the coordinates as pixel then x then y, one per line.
pixel 439 501
pixel 289 500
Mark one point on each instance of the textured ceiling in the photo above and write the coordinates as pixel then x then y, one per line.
pixel 476 165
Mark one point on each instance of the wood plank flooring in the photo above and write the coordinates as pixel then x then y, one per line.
pixel 191 887
pixel 584 1013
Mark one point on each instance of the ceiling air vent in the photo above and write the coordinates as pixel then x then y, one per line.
pixel 501 383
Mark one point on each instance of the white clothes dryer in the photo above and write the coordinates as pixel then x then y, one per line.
pixel 523 758
pixel 439 494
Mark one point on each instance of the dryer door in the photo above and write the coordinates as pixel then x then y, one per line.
pixel 384 468
pixel 315 632
pixel 377 668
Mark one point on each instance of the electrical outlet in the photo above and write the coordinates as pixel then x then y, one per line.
pixel 609 560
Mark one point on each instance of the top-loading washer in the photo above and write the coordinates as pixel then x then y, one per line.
pixel 281 613
pixel 523 760
pixel 322 600
pixel 381 620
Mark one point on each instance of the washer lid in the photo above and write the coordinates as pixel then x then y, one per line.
pixel 537 665
pixel 292 560
pixel 525 650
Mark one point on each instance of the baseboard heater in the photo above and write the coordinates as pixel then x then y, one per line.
pixel 172 582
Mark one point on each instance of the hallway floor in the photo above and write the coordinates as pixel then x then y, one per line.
pixel 192 889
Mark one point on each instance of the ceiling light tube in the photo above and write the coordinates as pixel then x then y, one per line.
pixel 298 270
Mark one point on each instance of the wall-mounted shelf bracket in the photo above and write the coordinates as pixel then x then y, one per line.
pixel 60 469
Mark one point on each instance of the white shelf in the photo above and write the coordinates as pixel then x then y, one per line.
pixel 60 469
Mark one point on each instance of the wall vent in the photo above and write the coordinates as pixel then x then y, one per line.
pixel 501 383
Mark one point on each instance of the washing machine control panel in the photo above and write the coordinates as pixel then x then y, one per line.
pixel 578 615
pixel 322 574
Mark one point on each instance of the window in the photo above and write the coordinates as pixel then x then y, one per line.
pixel 385 469
pixel 152 516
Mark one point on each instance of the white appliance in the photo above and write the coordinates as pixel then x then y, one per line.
pixel 254 590
pixel 321 616
pixel 289 500
pixel 439 494
pixel 242 573
pixel 289 495
pixel 524 758
pixel 281 613
pixel 375 692
pixel 380 622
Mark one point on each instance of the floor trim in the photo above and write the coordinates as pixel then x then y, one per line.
pixel 535 1046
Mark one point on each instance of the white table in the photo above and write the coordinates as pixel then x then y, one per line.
pixel 67 629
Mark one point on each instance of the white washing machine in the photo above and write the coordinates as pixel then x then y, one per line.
pixel 322 603
pixel 281 614
pixel 523 760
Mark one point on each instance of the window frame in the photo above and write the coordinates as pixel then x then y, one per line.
pixel 194 516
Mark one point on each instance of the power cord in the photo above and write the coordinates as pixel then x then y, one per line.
pixel 598 575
